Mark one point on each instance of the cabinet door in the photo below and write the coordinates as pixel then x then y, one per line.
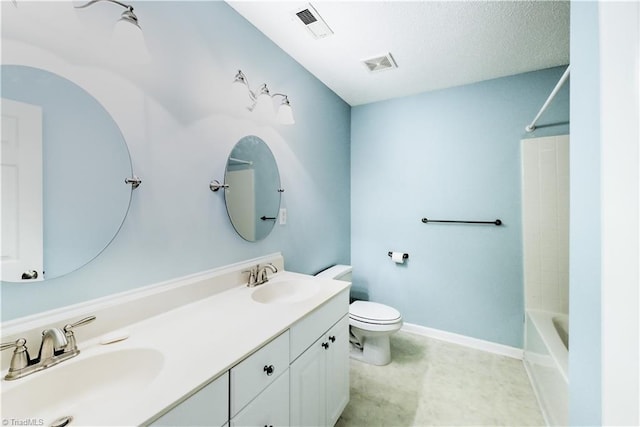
pixel 337 370
pixel 270 408
pixel 308 399
pixel 207 407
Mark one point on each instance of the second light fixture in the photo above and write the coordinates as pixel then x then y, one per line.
pixel 262 102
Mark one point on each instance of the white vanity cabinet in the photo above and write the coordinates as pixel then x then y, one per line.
pixel 299 378
pixel 320 374
pixel 207 407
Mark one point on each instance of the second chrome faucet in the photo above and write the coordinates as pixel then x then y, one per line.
pixel 258 274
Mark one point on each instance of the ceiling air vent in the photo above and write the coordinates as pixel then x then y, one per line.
pixel 380 63
pixel 313 22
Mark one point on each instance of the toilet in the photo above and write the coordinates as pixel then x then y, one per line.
pixel 370 323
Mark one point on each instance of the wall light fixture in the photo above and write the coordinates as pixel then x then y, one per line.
pixel 128 40
pixel 262 102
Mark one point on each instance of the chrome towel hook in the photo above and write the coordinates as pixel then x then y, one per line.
pixel 134 181
pixel 215 185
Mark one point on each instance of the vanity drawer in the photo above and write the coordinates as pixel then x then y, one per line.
pixel 208 406
pixel 307 330
pixel 270 408
pixel 256 372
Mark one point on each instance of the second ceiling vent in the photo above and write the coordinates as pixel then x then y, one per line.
pixel 312 20
pixel 380 63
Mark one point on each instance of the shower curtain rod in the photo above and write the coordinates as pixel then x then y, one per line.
pixel 240 161
pixel 555 91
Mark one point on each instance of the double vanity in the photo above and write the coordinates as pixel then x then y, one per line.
pixel 202 350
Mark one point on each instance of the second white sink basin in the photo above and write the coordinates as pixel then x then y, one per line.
pixel 283 292
pixel 79 388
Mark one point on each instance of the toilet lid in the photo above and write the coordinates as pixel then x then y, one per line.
pixel 373 312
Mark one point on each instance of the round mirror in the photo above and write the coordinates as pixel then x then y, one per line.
pixel 64 162
pixel 253 192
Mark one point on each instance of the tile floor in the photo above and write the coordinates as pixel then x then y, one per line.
pixel 435 383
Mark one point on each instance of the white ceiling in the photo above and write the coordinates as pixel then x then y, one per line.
pixel 436 44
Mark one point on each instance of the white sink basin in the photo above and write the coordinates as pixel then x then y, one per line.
pixel 285 292
pixel 80 387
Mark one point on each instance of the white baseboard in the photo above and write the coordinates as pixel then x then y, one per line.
pixel 490 347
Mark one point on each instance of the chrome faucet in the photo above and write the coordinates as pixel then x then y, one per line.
pixel 57 346
pixel 258 274
pixel 53 343
pixel 262 273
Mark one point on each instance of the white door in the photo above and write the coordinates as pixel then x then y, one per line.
pixel 21 182
pixel 308 388
pixel 337 370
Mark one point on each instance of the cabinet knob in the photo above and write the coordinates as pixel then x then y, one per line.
pixel 332 338
pixel 325 345
pixel 269 369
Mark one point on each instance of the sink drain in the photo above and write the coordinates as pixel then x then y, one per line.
pixel 62 421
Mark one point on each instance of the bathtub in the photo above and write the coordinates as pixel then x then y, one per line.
pixel 546 359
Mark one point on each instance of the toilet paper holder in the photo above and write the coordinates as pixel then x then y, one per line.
pixel 404 255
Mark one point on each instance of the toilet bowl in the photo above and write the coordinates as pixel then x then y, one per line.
pixel 370 323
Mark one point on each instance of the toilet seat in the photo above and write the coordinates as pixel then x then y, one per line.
pixel 373 313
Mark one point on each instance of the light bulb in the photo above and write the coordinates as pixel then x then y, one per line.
pixel 240 92
pixel 128 41
pixel 285 113
pixel 264 105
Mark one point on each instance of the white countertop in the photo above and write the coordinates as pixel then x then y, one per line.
pixel 199 342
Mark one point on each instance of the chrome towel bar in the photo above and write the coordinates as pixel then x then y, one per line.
pixel 496 222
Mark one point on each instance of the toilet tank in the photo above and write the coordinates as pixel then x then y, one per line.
pixel 337 272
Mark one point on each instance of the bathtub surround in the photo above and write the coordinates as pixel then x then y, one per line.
pixel 545 233
pixel 180 130
pixel 546 358
pixel 545 223
pixel 448 154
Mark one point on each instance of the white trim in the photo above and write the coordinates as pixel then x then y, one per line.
pixel 619 37
pixel 535 386
pixel 136 294
pixel 478 344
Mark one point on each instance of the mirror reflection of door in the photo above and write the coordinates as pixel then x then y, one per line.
pixel 21 159
pixel 241 201
pixel 84 162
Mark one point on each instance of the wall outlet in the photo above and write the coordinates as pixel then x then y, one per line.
pixel 283 216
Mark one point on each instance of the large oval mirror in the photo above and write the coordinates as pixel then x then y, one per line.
pixel 253 192
pixel 64 162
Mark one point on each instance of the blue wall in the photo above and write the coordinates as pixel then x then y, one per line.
pixel 180 128
pixel 585 403
pixel 448 154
